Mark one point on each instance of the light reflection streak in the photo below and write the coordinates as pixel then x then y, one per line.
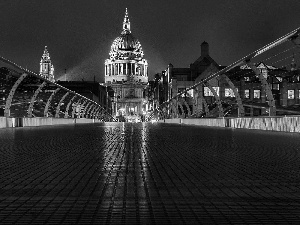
pixel 143 149
pixel 114 139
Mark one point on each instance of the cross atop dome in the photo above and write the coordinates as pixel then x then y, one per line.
pixel 126 24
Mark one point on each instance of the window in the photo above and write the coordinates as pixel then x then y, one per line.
pixel 247 93
pixel 247 78
pixel 264 73
pixel 256 94
pixel 291 94
pixel 190 93
pixel 229 92
pixel 181 90
pixel 207 91
pixel 275 86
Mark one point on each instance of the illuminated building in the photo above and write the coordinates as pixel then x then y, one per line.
pixel 284 83
pixel 126 71
pixel 46 67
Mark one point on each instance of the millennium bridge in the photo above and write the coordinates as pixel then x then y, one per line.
pixel 25 95
pixel 191 166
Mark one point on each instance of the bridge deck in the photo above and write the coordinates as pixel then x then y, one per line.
pixel 148 173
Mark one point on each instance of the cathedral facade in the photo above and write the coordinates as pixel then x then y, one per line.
pixel 126 72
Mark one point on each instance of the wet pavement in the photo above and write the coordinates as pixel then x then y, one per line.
pixel 123 173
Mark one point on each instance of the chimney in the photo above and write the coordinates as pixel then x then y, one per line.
pixel 204 49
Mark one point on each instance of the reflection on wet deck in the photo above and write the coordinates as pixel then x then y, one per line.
pixel 147 173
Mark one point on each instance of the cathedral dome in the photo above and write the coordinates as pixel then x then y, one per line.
pixel 126 46
pixel 126 61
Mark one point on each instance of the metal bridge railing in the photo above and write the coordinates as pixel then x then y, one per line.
pixel 26 94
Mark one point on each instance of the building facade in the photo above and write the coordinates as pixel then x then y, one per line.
pixel 46 67
pixel 126 72
pixel 284 83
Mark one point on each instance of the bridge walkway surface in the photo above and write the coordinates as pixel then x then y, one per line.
pixel 143 173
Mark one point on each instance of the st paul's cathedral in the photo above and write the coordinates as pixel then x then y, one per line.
pixel 126 72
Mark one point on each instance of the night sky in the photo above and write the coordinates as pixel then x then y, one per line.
pixel 79 33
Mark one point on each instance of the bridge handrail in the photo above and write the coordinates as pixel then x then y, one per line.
pixel 7 61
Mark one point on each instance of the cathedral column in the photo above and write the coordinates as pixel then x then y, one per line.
pixel 134 68
pixel 118 66
pixel 126 71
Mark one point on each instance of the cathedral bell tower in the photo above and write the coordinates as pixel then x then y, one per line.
pixel 46 67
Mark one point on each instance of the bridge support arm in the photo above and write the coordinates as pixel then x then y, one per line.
pixel 98 113
pixel 68 106
pixel 200 102
pixel 85 108
pixel 49 101
pixel 93 110
pixel 181 108
pixel 187 106
pixel 11 94
pixel 75 107
pixel 88 110
pixel 80 113
pixel 174 108
pixel 59 104
pixel 37 91
pixel 241 111
pixel 219 104
pixel 266 87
